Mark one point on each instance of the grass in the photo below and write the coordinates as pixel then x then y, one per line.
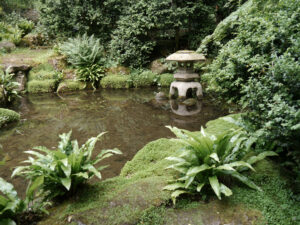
pixel 8 116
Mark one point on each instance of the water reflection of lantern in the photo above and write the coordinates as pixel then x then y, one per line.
pixel 185 75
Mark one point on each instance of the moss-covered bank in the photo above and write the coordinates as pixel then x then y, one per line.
pixel 7 117
pixel 136 196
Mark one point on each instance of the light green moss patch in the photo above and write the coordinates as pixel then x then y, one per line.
pixel 144 79
pixel 8 116
pixel 41 86
pixel 71 85
pixel 115 82
pixel 166 79
pixel 223 124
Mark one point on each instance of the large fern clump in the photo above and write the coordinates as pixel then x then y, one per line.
pixel 83 51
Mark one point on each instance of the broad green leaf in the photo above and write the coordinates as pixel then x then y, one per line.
pixel 93 170
pixel 176 159
pixel 174 186
pixel 8 189
pixel 83 175
pixel 189 181
pixel 66 182
pixel 18 170
pixel 197 169
pixel 225 167
pixel 241 163
pixel 39 181
pixel 225 190
pixel 261 156
pixel 176 194
pixel 245 180
pixel 214 183
pixel 214 156
pixel 200 186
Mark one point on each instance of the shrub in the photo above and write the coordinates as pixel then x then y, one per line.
pixel 62 170
pixel 115 82
pixel 83 51
pixel 207 160
pixel 16 20
pixel 92 74
pixel 257 66
pixel 69 17
pixel 10 33
pixel 165 80
pixel 8 85
pixel 143 78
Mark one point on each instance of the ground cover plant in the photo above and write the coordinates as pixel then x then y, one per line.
pixel 60 172
pixel 8 86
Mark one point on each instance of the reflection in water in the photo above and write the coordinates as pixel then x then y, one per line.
pixel 132 119
pixel 181 109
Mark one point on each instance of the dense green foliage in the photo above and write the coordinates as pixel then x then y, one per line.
pixel 207 159
pixel 57 172
pixel 257 66
pixel 115 81
pixel 10 33
pixel 64 18
pixel 10 203
pixel 8 85
pixel 83 51
pixel 137 30
pixel 92 73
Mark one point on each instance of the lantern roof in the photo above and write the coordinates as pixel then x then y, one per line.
pixel 185 56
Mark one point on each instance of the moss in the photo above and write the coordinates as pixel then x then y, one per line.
pixel 144 79
pixel 150 160
pixel 71 85
pixel 41 86
pixel 136 196
pixel 115 81
pixel 222 124
pixel 166 79
pixel 8 116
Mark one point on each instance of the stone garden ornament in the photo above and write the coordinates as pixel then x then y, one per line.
pixel 185 75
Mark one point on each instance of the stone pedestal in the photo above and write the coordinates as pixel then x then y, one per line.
pixel 183 87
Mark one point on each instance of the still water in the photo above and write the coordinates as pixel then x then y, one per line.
pixel 132 118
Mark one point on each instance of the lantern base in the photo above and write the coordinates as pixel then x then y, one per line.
pixel 183 87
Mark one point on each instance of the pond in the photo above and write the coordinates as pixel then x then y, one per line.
pixel 132 118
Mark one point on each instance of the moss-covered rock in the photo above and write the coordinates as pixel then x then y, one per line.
pixel 41 86
pixel 144 79
pixel 43 71
pixel 166 79
pixel 115 82
pixel 71 85
pixel 8 116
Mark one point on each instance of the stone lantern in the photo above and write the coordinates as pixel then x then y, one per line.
pixel 185 75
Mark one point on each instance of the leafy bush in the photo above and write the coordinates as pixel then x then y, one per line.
pixel 61 171
pixel 83 51
pixel 10 203
pixel 92 74
pixel 257 66
pixel 115 81
pixel 16 20
pixel 10 33
pixel 68 17
pixel 207 160
pixel 140 78
pixel 8 85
